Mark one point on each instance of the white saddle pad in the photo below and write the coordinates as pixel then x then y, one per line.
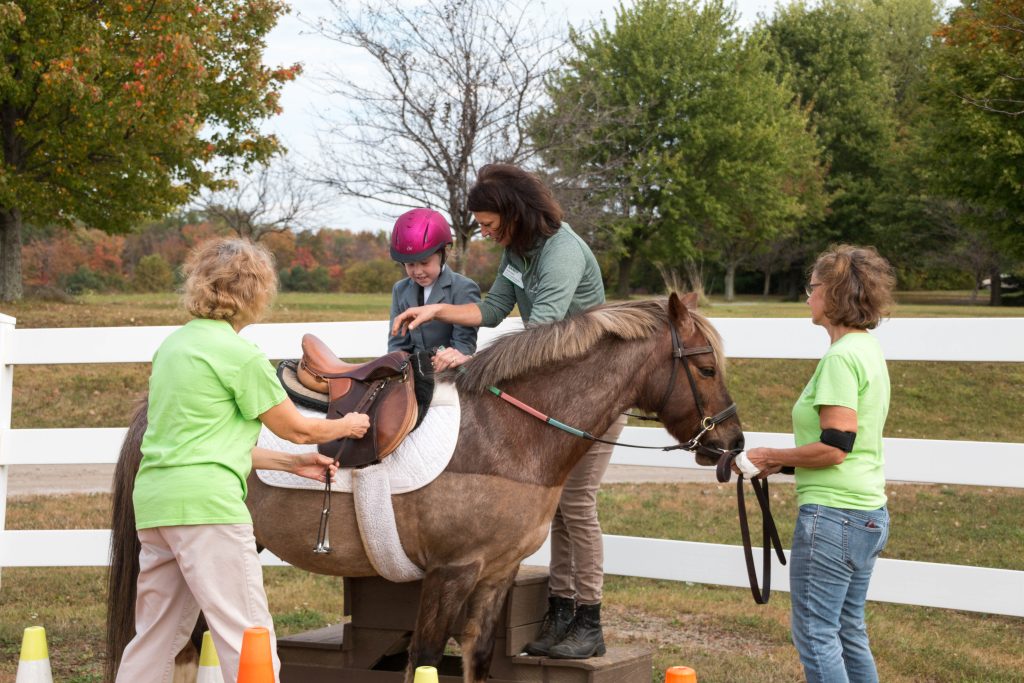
pixel 417 461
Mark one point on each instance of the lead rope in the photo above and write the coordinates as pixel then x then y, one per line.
pixel 769 532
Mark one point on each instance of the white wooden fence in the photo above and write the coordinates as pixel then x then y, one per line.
pixel 953 586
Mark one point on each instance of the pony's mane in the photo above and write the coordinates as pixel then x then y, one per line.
pixel 518 353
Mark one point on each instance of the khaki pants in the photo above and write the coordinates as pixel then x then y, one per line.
pixel 182 569
pixel 577 551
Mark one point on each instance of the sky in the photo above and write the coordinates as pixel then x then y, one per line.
pixel 294 41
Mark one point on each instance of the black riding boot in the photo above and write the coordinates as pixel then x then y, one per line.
pixel 584 638
pixel 556 624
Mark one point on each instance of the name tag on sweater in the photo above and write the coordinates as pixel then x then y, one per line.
pixel 514 275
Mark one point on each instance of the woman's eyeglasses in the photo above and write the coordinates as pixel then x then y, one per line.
pixel 809 287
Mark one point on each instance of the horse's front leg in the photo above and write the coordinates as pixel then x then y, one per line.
pixel 443 595
pixel 481 626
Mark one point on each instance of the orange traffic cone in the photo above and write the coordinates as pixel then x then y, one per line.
pixel 255 664
pixel 209 663
pixel 34 664
pixel 425 674
pixel 680 674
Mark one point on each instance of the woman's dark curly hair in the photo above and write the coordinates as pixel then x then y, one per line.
pixel 526 207
pixel 858 285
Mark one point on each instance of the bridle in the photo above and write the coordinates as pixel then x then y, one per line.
pixel 769 532
pixel 680 356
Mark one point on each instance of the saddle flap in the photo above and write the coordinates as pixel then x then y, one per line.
pixel 391 405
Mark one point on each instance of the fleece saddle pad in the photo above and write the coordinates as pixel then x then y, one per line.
pixel 415 463
pixel 418 460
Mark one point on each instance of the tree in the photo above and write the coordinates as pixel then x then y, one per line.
pixel 114 112
pixel 832 55
pixel 153 274
pixel 272 198
pixel 974 129
pixel 672 123
pixel 762 175
pixel 456 80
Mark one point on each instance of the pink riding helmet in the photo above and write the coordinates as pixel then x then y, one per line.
pixel 418 234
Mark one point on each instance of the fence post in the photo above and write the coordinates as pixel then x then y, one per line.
pixel 6 399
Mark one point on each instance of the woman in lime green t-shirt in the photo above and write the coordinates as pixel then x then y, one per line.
pixel 843 523
pixel 209 393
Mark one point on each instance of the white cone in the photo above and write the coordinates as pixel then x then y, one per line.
pixel 209 663
pixel 34 664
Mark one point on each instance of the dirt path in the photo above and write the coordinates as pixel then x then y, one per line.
pixel 27 480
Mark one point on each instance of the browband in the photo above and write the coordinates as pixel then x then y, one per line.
pixel 841 440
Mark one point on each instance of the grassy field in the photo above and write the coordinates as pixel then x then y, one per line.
pixel 96 310
pixel 717 630
pixel 973 401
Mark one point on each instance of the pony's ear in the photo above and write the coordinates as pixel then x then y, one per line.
pixel 679 308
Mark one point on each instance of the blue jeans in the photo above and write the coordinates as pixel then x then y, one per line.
pixel 831 560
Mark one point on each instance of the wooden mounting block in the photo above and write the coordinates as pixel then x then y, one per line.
pixel 371 648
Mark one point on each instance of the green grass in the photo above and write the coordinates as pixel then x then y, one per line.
pixel 971 401
pixel 968 401
pixel 133 310
pixel 128 309
pixel 716 630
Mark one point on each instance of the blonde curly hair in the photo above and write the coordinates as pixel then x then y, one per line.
pixel 229 279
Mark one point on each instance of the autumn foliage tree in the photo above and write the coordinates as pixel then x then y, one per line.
pixel 114 112
pixel 974 130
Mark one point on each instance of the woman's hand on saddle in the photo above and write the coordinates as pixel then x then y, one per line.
pixel 355 425
pixel 446 358
pixel 411 318
pixel 312 465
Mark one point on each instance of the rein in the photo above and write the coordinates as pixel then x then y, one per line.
pixel 679 356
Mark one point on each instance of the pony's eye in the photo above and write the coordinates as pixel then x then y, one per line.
pixel 707 372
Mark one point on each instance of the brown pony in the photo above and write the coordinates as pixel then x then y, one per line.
pixel 471 527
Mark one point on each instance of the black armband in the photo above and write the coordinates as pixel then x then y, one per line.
pixel 841 440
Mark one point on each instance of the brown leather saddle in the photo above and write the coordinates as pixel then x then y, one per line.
pixel 383 388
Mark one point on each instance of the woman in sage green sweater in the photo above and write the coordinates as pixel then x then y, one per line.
pixel 551 274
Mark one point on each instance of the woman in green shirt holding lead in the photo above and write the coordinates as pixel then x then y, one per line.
pixel 549 272
pixel 843 523
pixel 209 393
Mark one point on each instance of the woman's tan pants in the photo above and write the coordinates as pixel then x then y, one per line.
pixel 577 551
pixel 184 569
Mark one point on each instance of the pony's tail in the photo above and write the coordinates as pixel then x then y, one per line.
pixel 124 546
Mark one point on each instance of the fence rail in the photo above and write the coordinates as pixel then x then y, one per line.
pixel 981 589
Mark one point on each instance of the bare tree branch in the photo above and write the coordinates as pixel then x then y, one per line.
pixel 273 198
pixel 455 83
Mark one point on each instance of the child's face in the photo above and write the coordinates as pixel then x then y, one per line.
pixel 424 272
